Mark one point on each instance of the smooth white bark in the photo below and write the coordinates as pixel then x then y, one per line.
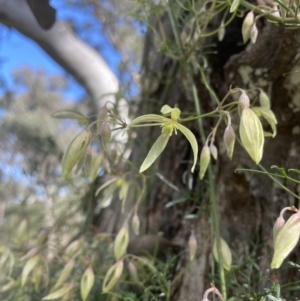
pixel 75 56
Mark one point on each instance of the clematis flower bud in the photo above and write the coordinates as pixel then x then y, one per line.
pixel 285 240
pixel 192 246
pixel 247 24
pixel 226 254
pixel 229 140
pixel 204 160
pixel 253 33
pixel 244 102
pixel 214 151
pixel 252 135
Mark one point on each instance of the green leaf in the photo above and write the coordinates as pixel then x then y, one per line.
pixel 174 202
pixel 8 286
pixel 105 135
pixel 107 195
pixel 74 152
pixel 191 138
pixel 281 170
pixel 295 170
pixel 101 117
pixel 66 272
pixel 70 114
pixel 166 181
pixel 155 151
pixel 235 5
pixel 105 185
pixel 112 276
pixel 87 283
pixel 93 162
pixel 147 118
pixel 59 293
pixel 29 266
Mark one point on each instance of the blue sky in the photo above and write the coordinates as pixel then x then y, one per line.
pixel 17 51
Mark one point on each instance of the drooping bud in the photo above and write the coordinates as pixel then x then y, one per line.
pixel 204 160
pixel 252 135
pixel 135 224
pixel 28 267
pixel 121 242
pixel 213 151
pixel 112 276
pixel 253 33
pixel 192 246
pixel 244 102
pixel 264 99
pixel 285 240
pixel 225 252
pixel 8 286
pixel 229 140
pixel 246 27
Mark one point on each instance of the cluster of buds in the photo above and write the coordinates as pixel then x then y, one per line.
pixel 250 130
pixel 285 236
pixel 249 28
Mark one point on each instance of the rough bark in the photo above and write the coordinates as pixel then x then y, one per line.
pixel 75 56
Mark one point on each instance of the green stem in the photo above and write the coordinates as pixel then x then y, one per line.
pixel 214 211
pixel 215 218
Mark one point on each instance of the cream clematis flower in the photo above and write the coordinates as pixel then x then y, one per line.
pixel 168 125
